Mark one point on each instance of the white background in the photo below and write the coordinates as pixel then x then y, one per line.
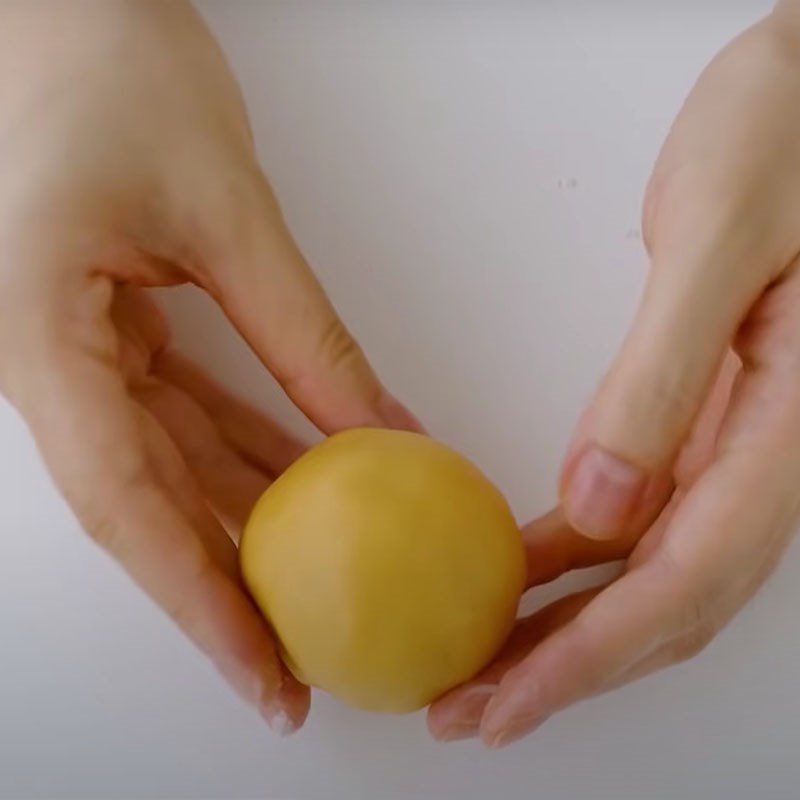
pixel 466 179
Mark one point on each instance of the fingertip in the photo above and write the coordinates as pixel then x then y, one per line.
pixel 282 719
pixel 282 707
pixel 513 733
pixel 396 416
pixel 296 699
pixel 512 713
pixel 436 720
pixel 280 723
pixel 455 733
pixel 457 715
pixel 286 709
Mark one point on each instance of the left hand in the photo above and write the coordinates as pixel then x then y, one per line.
pixel 696 446
pixel 127 162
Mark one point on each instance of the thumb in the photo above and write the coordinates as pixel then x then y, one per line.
pixel 617 474
pixel 269 292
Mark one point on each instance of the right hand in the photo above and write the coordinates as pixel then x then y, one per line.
pixel 127 162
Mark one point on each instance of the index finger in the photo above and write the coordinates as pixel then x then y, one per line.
pixel 270 293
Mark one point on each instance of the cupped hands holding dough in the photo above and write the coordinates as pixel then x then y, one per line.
pixel 388 567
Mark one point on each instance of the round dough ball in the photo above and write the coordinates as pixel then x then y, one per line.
pixel 388 566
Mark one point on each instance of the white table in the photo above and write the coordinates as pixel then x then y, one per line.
pixel 466 178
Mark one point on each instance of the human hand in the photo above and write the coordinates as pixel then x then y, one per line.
pixel 127 162
pixel 721 227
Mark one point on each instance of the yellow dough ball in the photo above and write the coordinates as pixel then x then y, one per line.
pixel 388 566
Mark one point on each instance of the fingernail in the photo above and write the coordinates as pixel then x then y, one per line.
pixel 274 713
pixel 514 731
pixel 458 731
pixel 602 493
pixel 265 697
pixel 471 705
pixel 395 415
pixel 512 715
pixel 279 722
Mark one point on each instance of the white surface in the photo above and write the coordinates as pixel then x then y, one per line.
pixel 466 179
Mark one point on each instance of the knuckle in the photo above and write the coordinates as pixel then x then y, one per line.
pixel 104 531
pixel 337 348
pixel 333 352
pixel 102 514
pixel 694 609
pixel 692 643
pixel 694 621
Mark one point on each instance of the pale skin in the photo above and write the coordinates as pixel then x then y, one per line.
pixel 687 460
pixel 127 162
